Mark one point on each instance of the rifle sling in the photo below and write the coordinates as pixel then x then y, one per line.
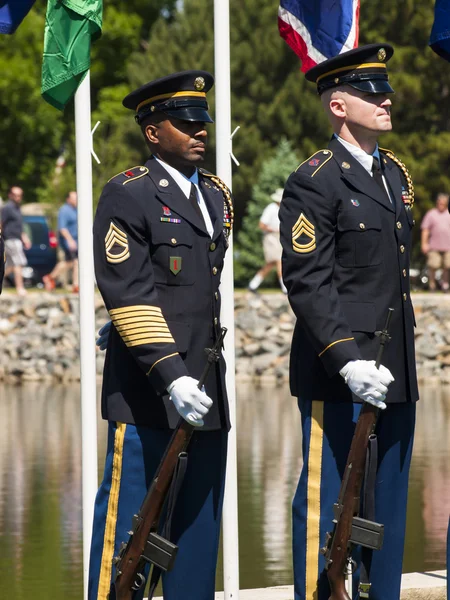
pixel 368 511
pixel 175 487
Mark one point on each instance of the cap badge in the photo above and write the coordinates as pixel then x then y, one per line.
pixel 163 182
pixel 314 162
pixel 381 55
pixel 345 165
pixel 199 83
pixel 354 202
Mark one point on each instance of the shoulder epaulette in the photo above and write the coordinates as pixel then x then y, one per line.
pixel 314 163
pixel 228 210
pixel 408 194
pixel 131 174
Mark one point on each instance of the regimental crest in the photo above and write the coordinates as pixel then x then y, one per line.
pixel 116 245
pixel 303 236
pixel 166 211
pixel 314 162
pixel 175 264
pixel 354 202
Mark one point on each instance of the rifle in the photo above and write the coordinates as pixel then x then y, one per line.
pixel 145 545
pixel 349 528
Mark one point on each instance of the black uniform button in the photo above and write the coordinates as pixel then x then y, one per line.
pixel 405 297
pixel 212 246
pixel 399 225
pixel 214 271
pixel 402 248
pixel 404 272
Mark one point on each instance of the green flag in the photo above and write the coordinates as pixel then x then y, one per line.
pixel 70 25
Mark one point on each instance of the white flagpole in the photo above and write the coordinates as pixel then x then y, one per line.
pixel 223 166
pixel 83 142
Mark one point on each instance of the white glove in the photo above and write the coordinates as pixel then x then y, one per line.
pixel 367 382
pixel 191 403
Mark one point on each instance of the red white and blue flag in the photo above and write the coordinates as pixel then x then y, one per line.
pixel 440 34
pixel 319 29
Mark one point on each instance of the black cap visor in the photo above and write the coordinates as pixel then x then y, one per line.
pixel 189 113
pixel 373 86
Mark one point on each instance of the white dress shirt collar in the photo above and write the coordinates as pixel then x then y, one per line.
pixel 366 160
pixel 184 183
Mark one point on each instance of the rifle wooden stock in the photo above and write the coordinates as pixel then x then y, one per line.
pixel 349 501
pixel 338 545
pixel 131 561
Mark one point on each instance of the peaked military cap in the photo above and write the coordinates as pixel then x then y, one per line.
pixel 181 95
pixel 363 68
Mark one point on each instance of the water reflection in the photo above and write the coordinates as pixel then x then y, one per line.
pixel 40 487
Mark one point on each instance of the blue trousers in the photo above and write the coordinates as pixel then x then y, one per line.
pixel 133 455
pixel 327 433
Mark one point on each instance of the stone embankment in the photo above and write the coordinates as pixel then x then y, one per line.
pixel 39 338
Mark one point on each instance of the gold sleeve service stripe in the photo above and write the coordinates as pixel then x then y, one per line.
pixel 144 318
pixel 336 342
pixel 159 360
pixel 141 307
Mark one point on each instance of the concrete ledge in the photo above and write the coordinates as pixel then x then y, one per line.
pixel 415 586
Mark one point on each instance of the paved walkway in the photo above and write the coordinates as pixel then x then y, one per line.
pixel 415 586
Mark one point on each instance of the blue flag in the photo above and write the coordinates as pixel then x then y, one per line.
pixel 319 29
pixel 12 13
pixel 440 34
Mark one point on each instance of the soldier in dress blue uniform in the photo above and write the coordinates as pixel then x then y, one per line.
pixel 160 236
pixel 346 226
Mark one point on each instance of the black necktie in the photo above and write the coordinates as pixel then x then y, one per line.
pixel 195 205
pixel 378 177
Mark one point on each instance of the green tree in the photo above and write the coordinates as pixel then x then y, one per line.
pixel 273 174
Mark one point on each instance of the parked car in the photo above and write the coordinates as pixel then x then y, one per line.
pixel 41 257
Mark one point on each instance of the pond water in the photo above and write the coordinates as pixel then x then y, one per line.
pixel 40 487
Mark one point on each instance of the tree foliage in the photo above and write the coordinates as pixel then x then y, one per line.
pixel 271 100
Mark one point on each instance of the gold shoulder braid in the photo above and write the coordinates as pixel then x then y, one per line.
pixel 408 194
pixel 228 211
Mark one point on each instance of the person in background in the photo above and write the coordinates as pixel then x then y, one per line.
pixel 68 240
pixel 435 241
pixel 346 229
pixel 270 226
pixel 15 238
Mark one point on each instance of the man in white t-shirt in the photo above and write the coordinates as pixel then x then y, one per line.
pixel 270 226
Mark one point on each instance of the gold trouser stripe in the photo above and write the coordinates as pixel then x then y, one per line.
pixel 159 360
pixel 313 500
pixel 336 342
pixel 111 516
